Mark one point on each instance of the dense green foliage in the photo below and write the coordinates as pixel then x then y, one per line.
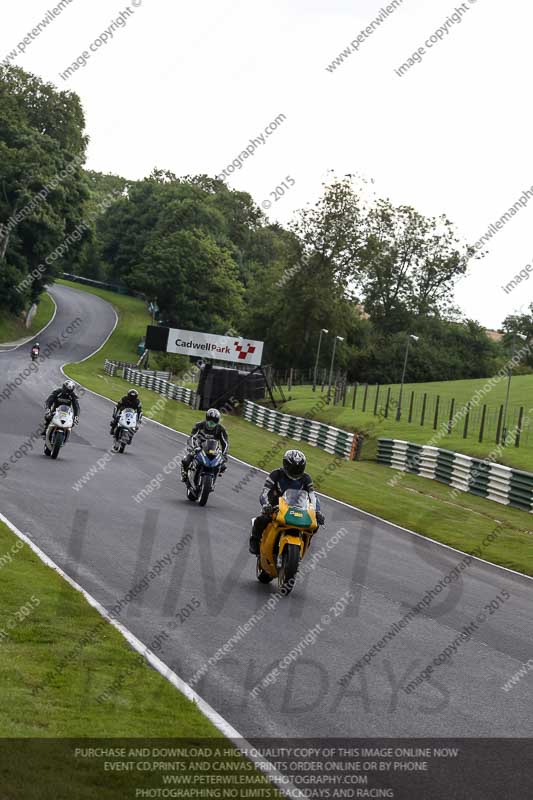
pixel 364 269
pixel 42 148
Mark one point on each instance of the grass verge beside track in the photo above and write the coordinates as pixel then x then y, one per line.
pixel 37 705
pixel 415 503
pixel 13 328
pixel 47 693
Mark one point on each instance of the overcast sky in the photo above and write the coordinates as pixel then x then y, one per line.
pixel 187 86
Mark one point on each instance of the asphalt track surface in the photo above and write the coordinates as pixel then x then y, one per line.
pixel 108 542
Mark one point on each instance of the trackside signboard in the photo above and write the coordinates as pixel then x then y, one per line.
pixel 204 345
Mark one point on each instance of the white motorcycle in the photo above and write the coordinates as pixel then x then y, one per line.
pixel 58 430
pixel 125 430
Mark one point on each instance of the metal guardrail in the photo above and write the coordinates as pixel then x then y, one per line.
pixel 113 367
pixel 149 379
pixel 110 287
pixel 505 485
pixel 325 437
pixel 318 434
pixel 159 385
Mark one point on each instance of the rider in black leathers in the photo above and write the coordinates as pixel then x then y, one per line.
pixel 210 428
pixel 66 394
pixel 291 475
pixel 130 400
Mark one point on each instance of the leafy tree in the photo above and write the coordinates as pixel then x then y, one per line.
pixel 42 190
pixel 523 324
pixel 408 265
pixel 193 279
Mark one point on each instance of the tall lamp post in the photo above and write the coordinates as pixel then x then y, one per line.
pixel 510 369
pixel 322 330
pixel 399 409
pixel 337 339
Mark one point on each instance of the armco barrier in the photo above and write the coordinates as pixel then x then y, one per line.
pixel 318 434
pixel 114 367
pixel 505 485
pixel 110 287
pixel 333 440
pixel 156 381
pixel 167 389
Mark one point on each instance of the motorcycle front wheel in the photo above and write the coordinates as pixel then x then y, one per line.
pixel 58 441
pixel 207 488
pixel 290 561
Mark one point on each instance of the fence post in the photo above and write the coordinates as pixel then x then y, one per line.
pixel 364 397
pixel 452 406
pixel 465 429
pixel 423 415
pixel 482 423
pixel 354 395
pixel 499 425
pixel 387 403
pixel 376 400
pixel 519 428
pixel 436 420
pixel 411 403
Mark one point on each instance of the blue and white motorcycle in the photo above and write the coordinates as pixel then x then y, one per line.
pixel 204 469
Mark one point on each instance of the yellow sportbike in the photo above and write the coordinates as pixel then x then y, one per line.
pixel 286 539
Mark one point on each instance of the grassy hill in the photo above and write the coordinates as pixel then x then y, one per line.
pixel 303 399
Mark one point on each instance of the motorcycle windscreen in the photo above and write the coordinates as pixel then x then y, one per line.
pixel 210 447
pixel 128 418
pixel 298 514
pixel 63 415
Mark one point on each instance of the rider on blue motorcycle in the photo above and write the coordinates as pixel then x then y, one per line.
pixel 210 428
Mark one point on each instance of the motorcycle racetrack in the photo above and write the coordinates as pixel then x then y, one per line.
pixel 342 656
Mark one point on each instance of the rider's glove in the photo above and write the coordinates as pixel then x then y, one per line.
pixel 320 518
pixel 267 509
